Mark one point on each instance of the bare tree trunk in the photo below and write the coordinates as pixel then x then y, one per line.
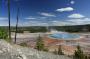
pixel 16 25
pixel 9 28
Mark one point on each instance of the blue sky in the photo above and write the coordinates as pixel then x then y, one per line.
pixel 47 12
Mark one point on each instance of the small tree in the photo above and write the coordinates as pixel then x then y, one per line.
pixel 60 50
pixel 55 52
pixel 78 53
pixel 89 57
pixel 23 44
pixel 86 57
pixel 39 44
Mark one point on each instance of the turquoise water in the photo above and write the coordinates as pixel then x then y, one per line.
pixel 65 36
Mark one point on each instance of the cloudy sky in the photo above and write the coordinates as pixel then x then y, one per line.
pixel 46 12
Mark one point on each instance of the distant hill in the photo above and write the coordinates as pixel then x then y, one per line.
pixel 73 28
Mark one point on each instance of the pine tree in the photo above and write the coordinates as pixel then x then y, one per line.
pixel 78 53
pixel 60 50
pixel 39 44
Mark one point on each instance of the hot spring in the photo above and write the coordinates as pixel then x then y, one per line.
pixel 65 36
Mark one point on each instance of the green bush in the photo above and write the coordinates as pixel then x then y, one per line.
pixel 3 34
pixel 23 44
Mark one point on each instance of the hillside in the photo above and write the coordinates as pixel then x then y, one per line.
pixel 11 51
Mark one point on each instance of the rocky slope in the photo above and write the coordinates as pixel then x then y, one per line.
pixel 11 51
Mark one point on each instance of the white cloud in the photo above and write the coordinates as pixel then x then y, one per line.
pixel 70 22
pixel 35 18
pixel 30 18
pixel 65 9
pixel 47 14
pixel 72 2
pixel 50 23
pixel 76 16
pixel 42 17
pixel 35 23
pixel 3 18
pixel 80 21
pixel 59 23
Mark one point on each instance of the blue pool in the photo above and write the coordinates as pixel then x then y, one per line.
pixel 65 36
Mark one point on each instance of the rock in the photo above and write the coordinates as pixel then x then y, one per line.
pixel 11 51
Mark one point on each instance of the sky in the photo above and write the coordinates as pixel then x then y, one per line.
pixel 46 12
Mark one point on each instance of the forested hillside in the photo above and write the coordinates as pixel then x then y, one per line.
pixel 32 29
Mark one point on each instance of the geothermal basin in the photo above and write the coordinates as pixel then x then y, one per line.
pixel 64 36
